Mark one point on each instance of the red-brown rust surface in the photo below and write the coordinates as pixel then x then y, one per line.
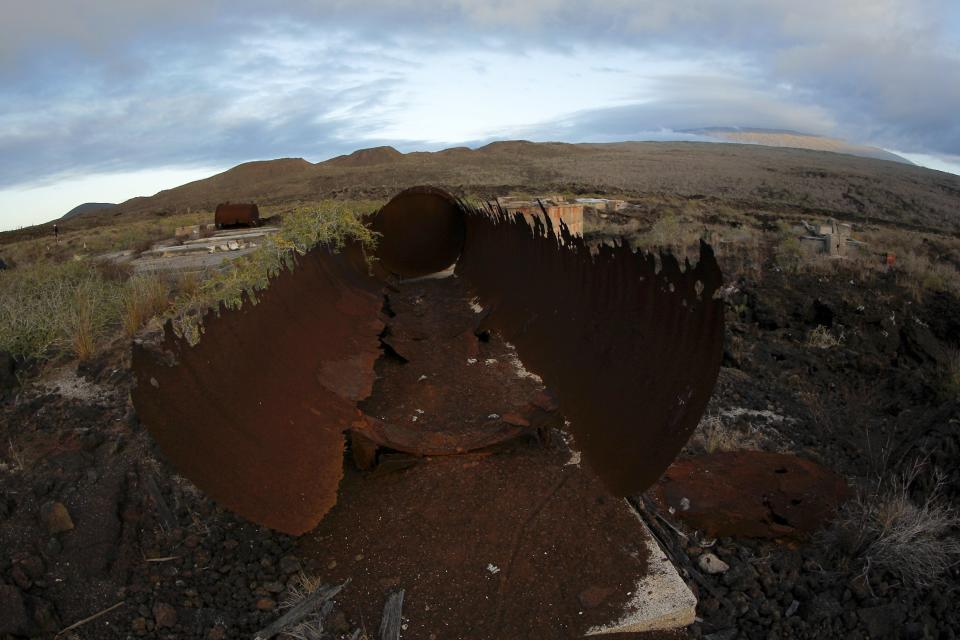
pixel 632 352
pixel 504 543
pixel 227 213
pixel 421 232
pixel 254 413
pixel 565 553
pixel 751 493
pixel 451 392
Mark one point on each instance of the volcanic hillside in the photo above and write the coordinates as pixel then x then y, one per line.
pixel 797 140
pixel 782 180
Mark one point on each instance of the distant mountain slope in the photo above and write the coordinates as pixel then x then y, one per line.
pixel 366 157
pixel 87 207
pixel 744 175
pixel 797 140
pixel 243 182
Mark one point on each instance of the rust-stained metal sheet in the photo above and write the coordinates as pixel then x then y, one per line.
pixel 255 414
pixel 632 352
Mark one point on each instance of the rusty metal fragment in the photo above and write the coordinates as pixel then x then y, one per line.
pixel 255 414
pixel 632 352
pixel 756 494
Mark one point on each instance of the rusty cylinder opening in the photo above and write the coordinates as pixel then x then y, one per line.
pixel 422 231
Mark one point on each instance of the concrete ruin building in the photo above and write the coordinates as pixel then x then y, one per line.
pixel 557 211
pixel 603 205
pixel 832 238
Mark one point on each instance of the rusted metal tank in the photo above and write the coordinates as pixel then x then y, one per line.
pixel 230 214
pixel 255 414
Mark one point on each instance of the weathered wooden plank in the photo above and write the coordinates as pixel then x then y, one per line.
pixel 390 622
pixel 167 518
pixel 300 611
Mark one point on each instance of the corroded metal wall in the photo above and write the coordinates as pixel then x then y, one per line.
pixel 255 413
pixel 632 352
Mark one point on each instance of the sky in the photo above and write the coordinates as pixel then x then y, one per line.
pixel 103 100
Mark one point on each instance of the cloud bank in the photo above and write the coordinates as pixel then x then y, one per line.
pixel 107 86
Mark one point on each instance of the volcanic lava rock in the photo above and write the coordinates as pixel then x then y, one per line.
pixel 13 612
pixel 7 367
pixel 164 615
pixel 55 517
pixel 882 621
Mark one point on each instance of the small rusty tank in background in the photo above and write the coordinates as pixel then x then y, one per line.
pixel 229 214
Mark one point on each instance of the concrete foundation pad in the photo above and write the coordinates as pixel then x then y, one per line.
pixel 222 236
pixel 661 600
pixel 188 262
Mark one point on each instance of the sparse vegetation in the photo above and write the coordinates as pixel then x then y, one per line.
pixel 83 242
pixel 733 430
pixel 87 315
pixel 713 436
pixel 301 587
pixel 142 298
pixel 330 223
pixel 887 530
pixel 822 338
pixel 15 459
pixel 51 308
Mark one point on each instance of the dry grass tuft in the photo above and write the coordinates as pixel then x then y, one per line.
pixel 822 338
pixel 142 298
pixel 328 223
pixel 853 415
pixel 48 308
pixel 92 307
pixel 311 627
pixel 713 434
pixel 16 462
pixel 889 532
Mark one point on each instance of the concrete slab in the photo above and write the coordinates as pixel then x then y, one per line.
pixel 222 236
pixel 173 250
pixel 661 600
pixel 191 262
